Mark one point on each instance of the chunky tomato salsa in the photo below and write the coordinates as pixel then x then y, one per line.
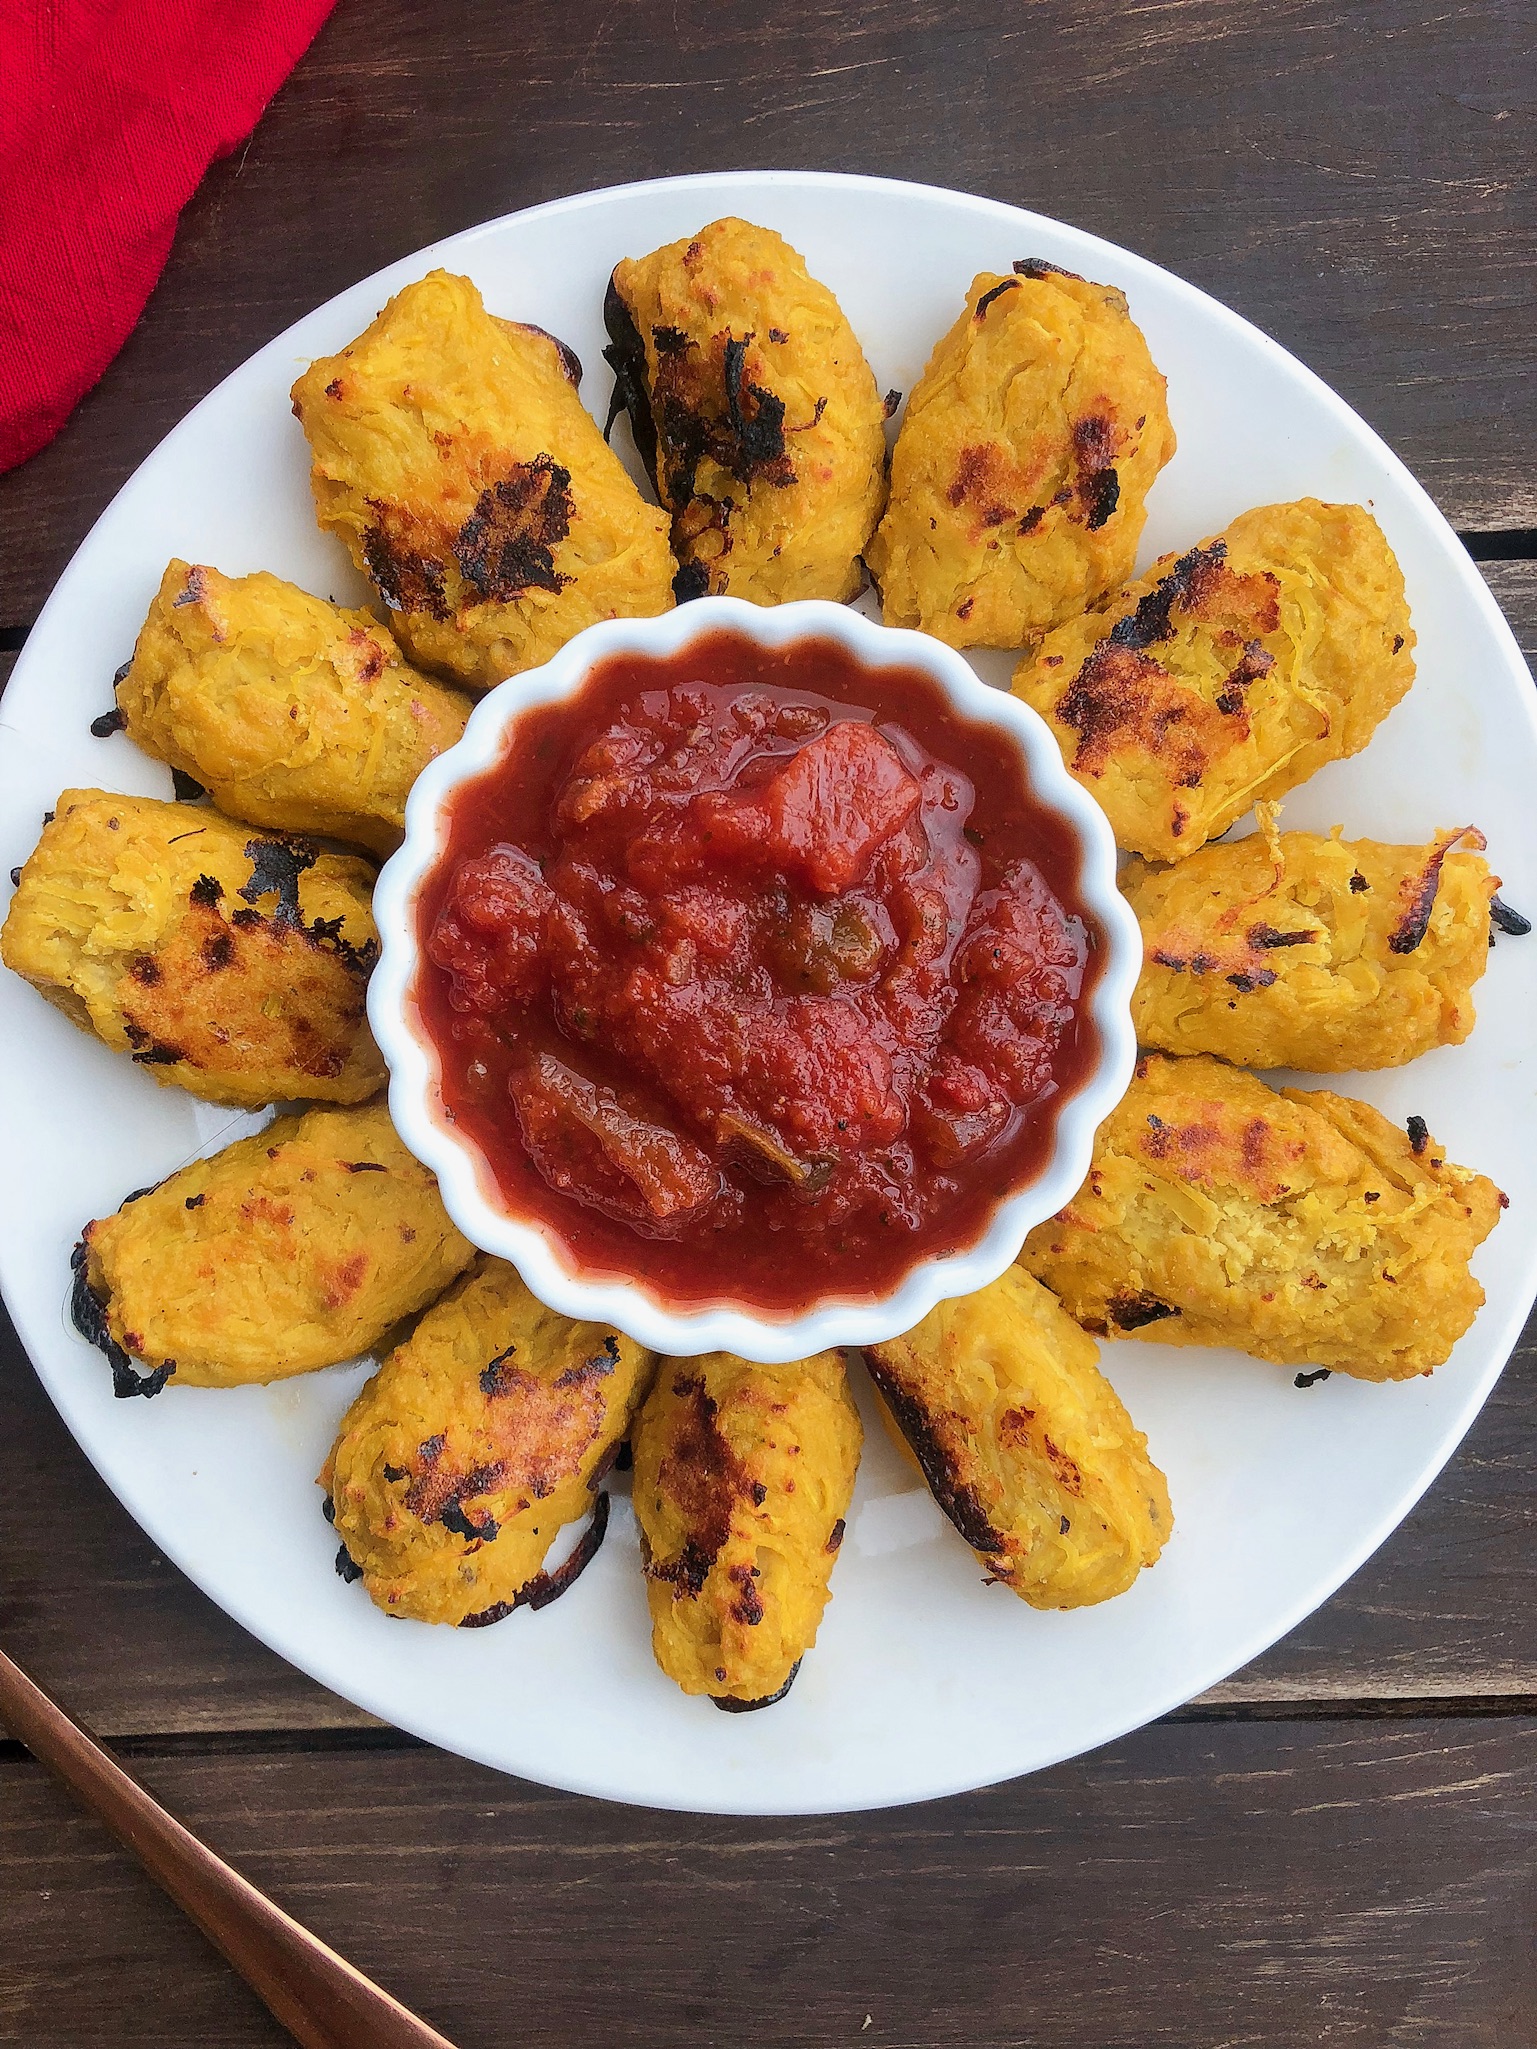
pixel 756 975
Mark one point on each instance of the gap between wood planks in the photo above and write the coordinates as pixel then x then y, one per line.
pixel 1507 544
pixel 345 1742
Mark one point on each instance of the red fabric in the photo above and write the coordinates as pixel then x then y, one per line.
pixel 110 113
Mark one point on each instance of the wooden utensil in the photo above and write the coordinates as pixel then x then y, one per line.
pixel 322 2001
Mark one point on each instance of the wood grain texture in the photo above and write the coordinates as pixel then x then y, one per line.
pixel 323 2001
pixel 1272 1885
pixel 1355 179
pixel 1326 1849
pixel 115 1632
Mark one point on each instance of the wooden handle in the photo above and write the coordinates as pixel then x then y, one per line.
pixel 317 1995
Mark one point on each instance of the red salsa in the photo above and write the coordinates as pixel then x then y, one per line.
pixel 756 975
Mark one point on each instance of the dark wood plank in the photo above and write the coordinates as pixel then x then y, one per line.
pixel 1442 1612
pixel 1271 1885
pixel 1356 181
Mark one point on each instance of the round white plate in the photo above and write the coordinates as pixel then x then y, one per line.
pixel 923 1680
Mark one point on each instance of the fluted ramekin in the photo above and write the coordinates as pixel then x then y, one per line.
pixel 468 1188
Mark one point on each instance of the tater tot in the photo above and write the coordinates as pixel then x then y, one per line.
pixel 283 1253
pixel 233 964
pixel 1026 1445
pixel 295 714
pixel 1020 477
pixel 453 455
pixel 478 1440
pixel 743 1478
pixel 1228 674
pixel 1298 1226
pixel 1314 952
pixel 754 408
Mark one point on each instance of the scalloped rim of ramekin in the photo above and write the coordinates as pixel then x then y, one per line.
pixel 463 1174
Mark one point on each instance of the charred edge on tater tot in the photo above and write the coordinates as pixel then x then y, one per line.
pixel 570 361
pixel 546 1587
pixel 1150 621
pixel 1009 284
pixel 458 1524
pixel 730 1705
pixel 749 444
pixel 959 1502
pixel 603 1468
pixel 626 357
pixel 681 417
pixel 1111 691
pixel 755 441
pixel 1037 267
pixel 1415 922
pixel 1185 584
pixel 88 1313
pixel 1504 919
pixel 507 544
pixel 406 579
pixel 1136 1312
pixel 711 1479
pixel 499 1375
pixel 504 548
pixel 1098 480
pixel 276 865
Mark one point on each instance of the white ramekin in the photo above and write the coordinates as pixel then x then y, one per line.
pixel 469 1191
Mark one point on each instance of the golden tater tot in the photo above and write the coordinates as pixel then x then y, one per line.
pixel 1313 952
pixel 453 455
pixel 743 1478
pixel 231 965
pixel 755 411
pixel 1026 1445
pixel 283 1253
pixel 1301 1227
pixel 473 1446
pixel 1229 674
pixel 1020 477
pixel 294 714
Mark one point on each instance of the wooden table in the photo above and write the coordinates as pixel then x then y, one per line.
pixel 1334 1847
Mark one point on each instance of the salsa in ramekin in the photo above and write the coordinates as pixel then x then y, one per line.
pixel 757 972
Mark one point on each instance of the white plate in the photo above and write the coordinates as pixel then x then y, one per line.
pixel 923 1681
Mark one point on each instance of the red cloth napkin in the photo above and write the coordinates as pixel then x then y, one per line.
pixel 110 112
